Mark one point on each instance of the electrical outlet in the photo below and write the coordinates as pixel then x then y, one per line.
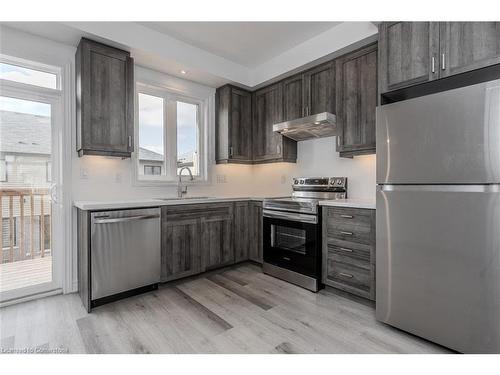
pixel 84 174
pixel 221 179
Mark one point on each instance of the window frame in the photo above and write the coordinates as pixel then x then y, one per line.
pixel 4 162
pixel 171 97
pixel 152 169
pixel 33 65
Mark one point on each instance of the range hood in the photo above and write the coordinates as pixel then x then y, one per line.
pixel 310 127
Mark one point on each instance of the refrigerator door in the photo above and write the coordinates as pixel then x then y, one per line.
pixel 451 137
pixel 438 263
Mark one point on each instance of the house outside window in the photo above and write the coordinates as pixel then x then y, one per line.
pixel 152 170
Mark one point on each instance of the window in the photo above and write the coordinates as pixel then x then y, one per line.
pixel 152 170
pixel 170 135
pixel 29 76
pixel 3 171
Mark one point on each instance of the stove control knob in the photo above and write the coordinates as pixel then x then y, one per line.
pixel 295 182
pixel 302 182
pixel 339 182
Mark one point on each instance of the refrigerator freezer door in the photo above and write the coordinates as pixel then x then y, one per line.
pixel 438 263
pixel 451 137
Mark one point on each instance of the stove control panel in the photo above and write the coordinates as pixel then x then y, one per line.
pixel 320 183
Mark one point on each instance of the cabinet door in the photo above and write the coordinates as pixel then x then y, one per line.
pixel 181 255
pixel 268 111
pixel 242 230
pixel 240 129
pixel 467 46
pixel 407 52
pixel 256 239
pixel 217 235
pixel 319 89
pixel 105 100
pixel 356 101
pixel 293 98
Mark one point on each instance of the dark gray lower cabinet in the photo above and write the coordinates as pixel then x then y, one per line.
pixel 181 242
pixel 349 250
pixel 217 235
pixel 242 224
pixel 255 251
pixel 200 237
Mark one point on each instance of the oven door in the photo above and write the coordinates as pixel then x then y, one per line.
pixel 291 241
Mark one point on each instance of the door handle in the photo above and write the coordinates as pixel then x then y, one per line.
pixel 348 275
pixel 129 141
pixel 345 249
pixel 443 61
pixel 125 219
pixel 346 233
pixel 231 151
pixel 278 149
pixel 346 216
pixel 433 64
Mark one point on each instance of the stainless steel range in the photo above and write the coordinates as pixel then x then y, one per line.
pixel 292 230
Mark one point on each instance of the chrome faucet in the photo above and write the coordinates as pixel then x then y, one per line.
pixel 181 190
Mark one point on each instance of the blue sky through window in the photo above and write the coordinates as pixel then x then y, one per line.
pixel 24 106
pixel 29 76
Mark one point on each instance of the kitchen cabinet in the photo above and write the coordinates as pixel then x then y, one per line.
pixel 293 97
pixel 195 238
pixel 180 242
pixel 269 146
pixel 217 235
pixel 408 53
pixel 411 53
pixel 319 89
pixel 104 100
pixel 349 250
pixel 467 46
pixel 242 230
pixel 356 95
pixel 233 125
pixel 255 251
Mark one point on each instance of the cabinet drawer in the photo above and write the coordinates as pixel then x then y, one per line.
pixel 348 277
pixel 349 216
pixel 347 249
pixel 351 233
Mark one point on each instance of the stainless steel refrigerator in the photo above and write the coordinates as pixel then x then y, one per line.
pixel 438 217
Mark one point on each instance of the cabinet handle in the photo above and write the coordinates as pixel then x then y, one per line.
pixel 433 64
pixel 231 151
pixel 278 149
pixel 345 249
pixel 443 62
pixel 346 275
pixel 129 141
pixel 346 216
pixel 346 233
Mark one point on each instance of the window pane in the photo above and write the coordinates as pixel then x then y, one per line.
pixel 151 125
pixel 29 76
pixel 187 137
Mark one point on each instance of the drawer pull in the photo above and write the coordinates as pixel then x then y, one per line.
pixel 346 233
pixel 345 249
pixel 346 216
pixel 348 275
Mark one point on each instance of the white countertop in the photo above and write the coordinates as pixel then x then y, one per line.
pixel 354 203
pixel 151 202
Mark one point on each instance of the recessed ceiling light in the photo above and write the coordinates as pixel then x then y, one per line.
pixel 183 71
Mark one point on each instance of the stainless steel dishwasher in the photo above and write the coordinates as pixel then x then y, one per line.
pixel 125 255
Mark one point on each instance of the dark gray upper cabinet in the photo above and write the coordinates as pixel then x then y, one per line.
pixel 293 97
pixel 233 125
pixel 104 100
pixel 467 46
pixel 408 53
pixel 356 101
pixel 269 146
pixel 411 53
pixel 319 89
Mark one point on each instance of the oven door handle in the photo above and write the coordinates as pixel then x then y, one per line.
pixel 302 218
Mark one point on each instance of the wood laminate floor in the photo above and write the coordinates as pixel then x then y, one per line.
pixel 236 310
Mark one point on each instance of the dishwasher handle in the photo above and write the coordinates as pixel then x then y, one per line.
pixel 124 219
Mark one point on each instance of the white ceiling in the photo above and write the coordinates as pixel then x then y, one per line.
pixel 246 43
pixel 249 54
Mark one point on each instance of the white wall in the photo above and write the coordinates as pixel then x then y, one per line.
pixel 318 158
